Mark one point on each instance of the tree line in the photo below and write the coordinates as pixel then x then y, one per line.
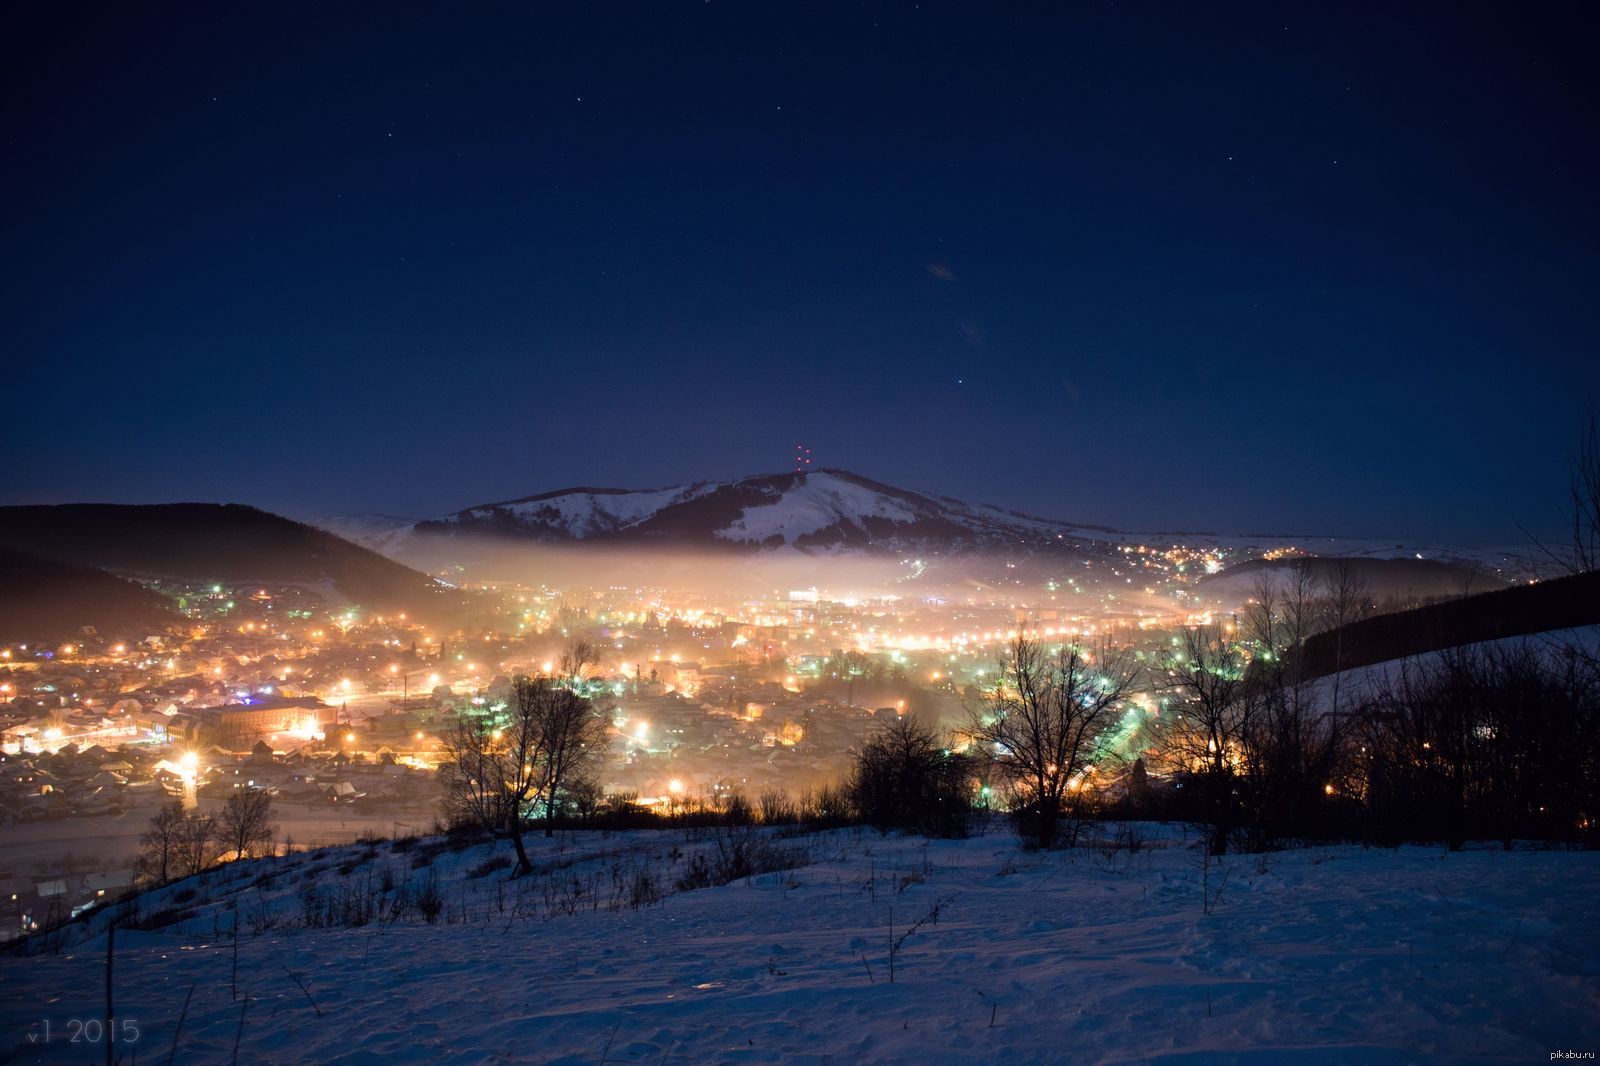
pixel 180 843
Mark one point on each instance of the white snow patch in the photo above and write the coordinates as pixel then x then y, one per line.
pixel 820 501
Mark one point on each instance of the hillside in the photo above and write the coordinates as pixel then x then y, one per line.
pixel 44 600
pixel 1399 581
pixel 204 542
pixel 1326 955
pixel 1557 604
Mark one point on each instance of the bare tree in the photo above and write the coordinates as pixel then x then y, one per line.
pixel 1283 612
pixel 1043 722
pixel 158 844
pixel 573 739
pixel 197 847
pixel 1585 491
pixel 500 766
pixel 1488 741
pixel 849 664
pixel 245 824
pixel 1206 736
pixel 494 766
pixel 777 808
pixel 1302 612
pixel 1263 619
pixel 577 664
pixel 472 773
pixel 1349 600
pixel 586 797
pixel 1292 751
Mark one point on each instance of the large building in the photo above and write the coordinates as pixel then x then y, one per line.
pixel 238 725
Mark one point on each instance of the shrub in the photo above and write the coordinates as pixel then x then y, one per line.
pixel 827 807
pixel 429 902
pixel 777 808
pixel 904 778
pixel 490 865
pixel 737 810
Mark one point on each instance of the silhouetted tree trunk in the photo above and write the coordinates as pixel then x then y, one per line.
pixel 1207 733
pixel 159 844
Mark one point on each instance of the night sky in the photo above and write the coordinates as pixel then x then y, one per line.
pixel 1232 268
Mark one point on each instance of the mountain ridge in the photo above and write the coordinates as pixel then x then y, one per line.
pixel 883 520
pixel 819 511
pixel 211 541
pixel 44 599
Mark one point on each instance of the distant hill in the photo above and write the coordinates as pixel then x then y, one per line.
pixel 1561 603
pixel 41 599
pixel 1408 581
pixel 205 542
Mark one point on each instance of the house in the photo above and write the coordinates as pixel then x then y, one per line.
pixel 103 886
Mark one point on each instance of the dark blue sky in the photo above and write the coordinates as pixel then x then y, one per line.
pixel 1224 267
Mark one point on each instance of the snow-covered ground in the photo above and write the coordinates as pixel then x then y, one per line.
pixel 1365 683
pixel 1334 955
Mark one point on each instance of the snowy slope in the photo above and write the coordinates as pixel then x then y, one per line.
pixel 824 510
pixel 819 501
pixel 1351 688
pixel 1337 955
pixel 380 532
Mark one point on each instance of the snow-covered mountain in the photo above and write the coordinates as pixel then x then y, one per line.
pixel 835 511
pixel 824 510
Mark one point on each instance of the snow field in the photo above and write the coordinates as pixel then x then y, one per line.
pixel 1323 955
